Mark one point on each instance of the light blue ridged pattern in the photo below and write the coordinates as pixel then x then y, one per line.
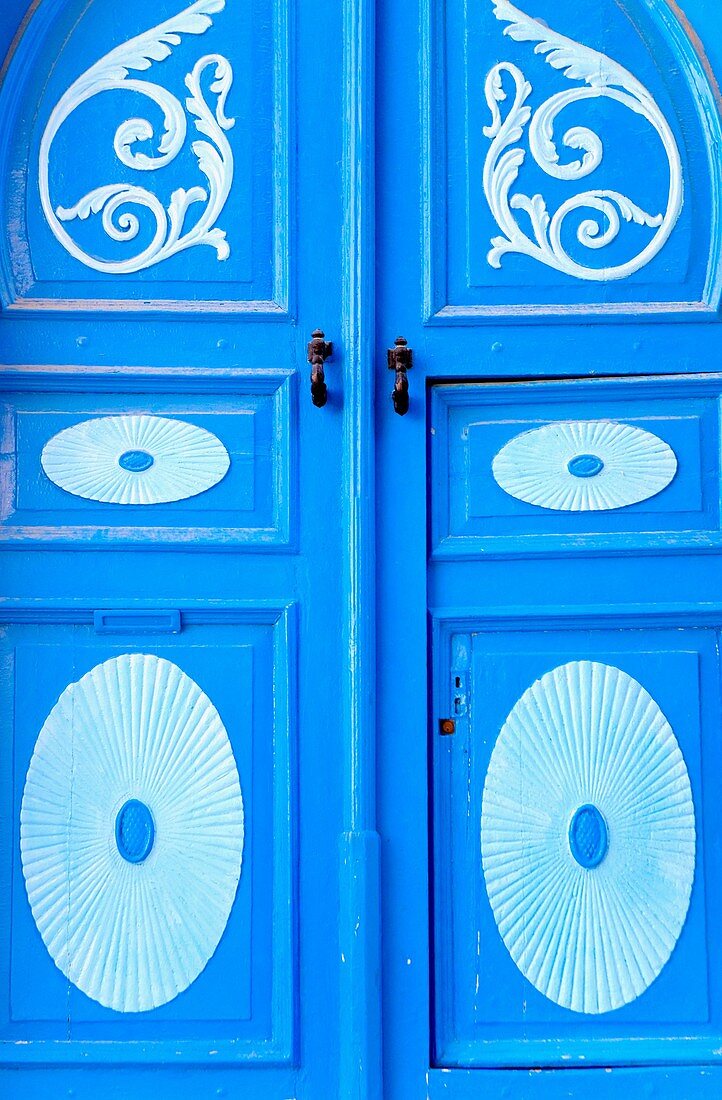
pixel 591 938
pixel 135 459
pixel 584 466
pixel 132 933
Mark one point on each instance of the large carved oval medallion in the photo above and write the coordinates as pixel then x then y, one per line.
pixel 584 466
pixel 588 837
pixel 135 459
pixel 131 832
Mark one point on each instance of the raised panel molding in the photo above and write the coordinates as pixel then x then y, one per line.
pixel 584 466
pixel 191 137
pixel 519 109
pixel 190 474
pixel 148 692
pixel 137 459
pixel 131 833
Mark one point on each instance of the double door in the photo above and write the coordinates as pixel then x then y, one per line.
pixel 357 746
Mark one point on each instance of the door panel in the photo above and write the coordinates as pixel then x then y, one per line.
pixel 502 483
pixel 228 488
pixel 611 972
pixel 519 223
pixel 539 316
pixel 575 703
pixel 240 661
pixel 190 174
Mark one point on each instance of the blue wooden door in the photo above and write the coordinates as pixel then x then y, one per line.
pixel 171 762
pixel 550 603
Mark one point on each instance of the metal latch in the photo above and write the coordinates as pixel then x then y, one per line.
pixel 319 350
pixel 458 685
pixel 400 359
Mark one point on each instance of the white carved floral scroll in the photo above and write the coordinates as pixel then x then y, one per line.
pixel 602 78
pixel 174 229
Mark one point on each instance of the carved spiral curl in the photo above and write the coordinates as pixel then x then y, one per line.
pixel 141 129
pixel 604 79
pixel 215 157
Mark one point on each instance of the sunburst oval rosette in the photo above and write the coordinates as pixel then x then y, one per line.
pixel 135 459
pixel 587 745
pixel 131 832
pixel 538 466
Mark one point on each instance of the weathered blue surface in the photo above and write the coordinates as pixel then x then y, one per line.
pixel 354 576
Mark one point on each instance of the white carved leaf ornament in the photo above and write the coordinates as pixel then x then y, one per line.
pixel 584 466
pixel 135 459
pixel 177 226
pixel 588 837
pixel 131 832
pixel 601 77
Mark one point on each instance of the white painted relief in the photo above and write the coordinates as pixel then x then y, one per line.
pixel 588 837
pixel 584 466
pixel 608 209
pixel 131 832
pixel 178 226
pixel 135 459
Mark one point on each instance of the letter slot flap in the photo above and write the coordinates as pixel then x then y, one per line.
pixel 135 621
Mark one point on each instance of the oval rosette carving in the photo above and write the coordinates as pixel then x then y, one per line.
pixel 131 832
pixel 608 209
pixel 584 466
pixel 588 837
pixel 135 459
pixel 120 205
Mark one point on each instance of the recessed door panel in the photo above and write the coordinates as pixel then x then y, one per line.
pixel 570 828
pixel 568 172
pixel 185 202
pixel 208 468
pixel 570 467
pixel 149 870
